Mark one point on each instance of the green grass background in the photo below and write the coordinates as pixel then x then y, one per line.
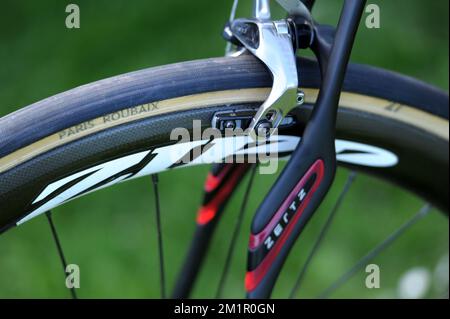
pixel 111 234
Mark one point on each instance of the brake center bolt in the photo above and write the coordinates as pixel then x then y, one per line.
pixel 300 97
pixel 229 125
pixel 263 128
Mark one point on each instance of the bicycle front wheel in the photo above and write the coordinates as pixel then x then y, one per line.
pixel 112 130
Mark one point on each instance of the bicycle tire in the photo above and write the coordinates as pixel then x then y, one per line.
pixel 377 107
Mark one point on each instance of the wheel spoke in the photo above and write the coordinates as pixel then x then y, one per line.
pixel 376 251
pixel 59 248
pixel 351 177
pixel 235 234
pixel 159 234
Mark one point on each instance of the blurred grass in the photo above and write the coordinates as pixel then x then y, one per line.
pixel 111 234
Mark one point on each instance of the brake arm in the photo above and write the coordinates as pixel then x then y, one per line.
pixel 271 42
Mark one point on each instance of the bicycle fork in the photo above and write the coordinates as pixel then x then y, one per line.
pixel 308 175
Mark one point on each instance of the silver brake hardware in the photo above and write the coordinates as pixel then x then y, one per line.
pixel 295 8
pixel 241 118
pixel 271 42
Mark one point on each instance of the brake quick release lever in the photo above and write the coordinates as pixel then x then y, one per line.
pixel 304 182
pixel 295 8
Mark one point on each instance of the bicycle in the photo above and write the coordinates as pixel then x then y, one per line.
pixel 96 142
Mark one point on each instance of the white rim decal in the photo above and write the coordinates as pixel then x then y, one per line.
pixel 163 158
pixel 364 155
